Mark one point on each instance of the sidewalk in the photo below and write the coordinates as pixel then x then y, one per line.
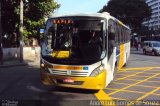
pixel 134 51
pixel 16 62
pixel 12 63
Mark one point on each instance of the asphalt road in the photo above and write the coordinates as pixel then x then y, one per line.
pixel 138 59
pixel 21 85
pixel 137 84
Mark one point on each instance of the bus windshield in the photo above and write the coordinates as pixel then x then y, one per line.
pixel 74 40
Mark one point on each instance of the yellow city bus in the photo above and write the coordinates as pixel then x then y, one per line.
pixel 83 50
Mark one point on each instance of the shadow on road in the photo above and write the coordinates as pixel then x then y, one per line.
pixel 76 90
pixel 23 84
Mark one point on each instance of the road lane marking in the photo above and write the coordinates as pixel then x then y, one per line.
pixel 140 80
pixel 129 91
pixel 134 79
pixel 156 94
pixel 133 74
pixel 154 71
pixel 150 92
pixel 119 99
pixel 133 91
pixel 126 69
pixel 134 84
pixel 136 75
pixel 147 94
pixel 137 68
pixel 102 96
pixel 143 76
pixel 137 85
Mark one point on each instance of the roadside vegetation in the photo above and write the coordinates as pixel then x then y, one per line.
pixel 35 12
pixel 131 12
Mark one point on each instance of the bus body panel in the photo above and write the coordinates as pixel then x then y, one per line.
pixel 117 59
pixel 122 54
pixel 96 83
pixel 111 66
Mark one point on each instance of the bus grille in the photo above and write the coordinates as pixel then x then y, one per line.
pixel 70 73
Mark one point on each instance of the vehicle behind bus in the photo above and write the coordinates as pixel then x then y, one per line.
pixel 152 47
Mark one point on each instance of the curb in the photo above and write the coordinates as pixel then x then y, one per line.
pixel 13 65
pixel 133 51
pixel 136 52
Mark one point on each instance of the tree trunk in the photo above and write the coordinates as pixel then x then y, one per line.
pixel 1 51
pixel 21 31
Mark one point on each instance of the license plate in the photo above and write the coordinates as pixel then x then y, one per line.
pixel 68 81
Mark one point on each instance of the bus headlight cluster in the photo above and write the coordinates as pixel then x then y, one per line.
pixel 97 71
pixel 43 66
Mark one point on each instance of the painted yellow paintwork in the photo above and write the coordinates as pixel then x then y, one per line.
pixel 97 82
pixel 121 60
pixel 65 67
pixel 104 99
pixel 60 54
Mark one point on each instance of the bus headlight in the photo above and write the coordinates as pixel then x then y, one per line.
pixel 97 71
pixel 44 66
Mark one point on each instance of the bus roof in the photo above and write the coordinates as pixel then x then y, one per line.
pixel 84 14
pixel 101 15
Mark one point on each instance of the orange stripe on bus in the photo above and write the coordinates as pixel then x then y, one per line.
pixel 67 67
pixel 121 60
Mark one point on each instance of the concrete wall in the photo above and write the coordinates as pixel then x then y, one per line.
pixel 29 53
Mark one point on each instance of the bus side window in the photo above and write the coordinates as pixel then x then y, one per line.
pixel 111 39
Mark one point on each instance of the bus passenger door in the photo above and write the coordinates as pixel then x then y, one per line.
pixel 111 49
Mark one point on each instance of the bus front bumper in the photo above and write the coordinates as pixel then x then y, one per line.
pixel 95 83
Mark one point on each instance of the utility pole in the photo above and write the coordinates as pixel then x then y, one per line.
pixel 1 51
pixel 21 30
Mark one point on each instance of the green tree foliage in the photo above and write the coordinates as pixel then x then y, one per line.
pixel 35 12
pixel 9 20
pixel 9 16
pixel 130 12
